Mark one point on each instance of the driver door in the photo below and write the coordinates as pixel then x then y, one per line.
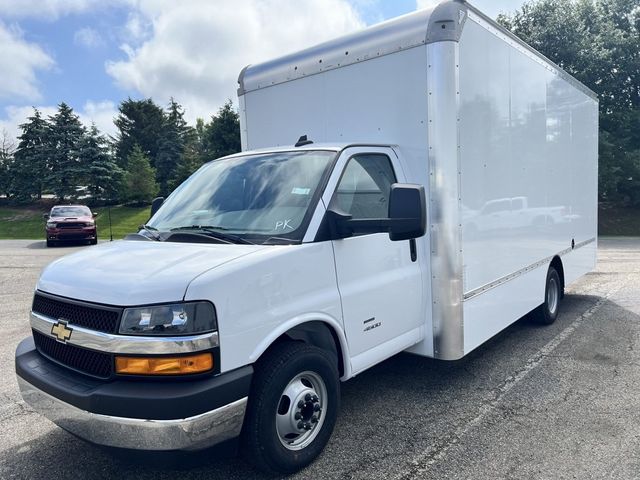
pixel 379 281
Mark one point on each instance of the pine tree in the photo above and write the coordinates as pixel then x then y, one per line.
pixel 103 176
pixel 7 149
pixel 139 123
pixel 66 136
pixel 139 182
pixel 29 170
pixel 172 146
pixel 222 135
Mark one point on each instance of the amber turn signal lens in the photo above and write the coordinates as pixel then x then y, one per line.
pixel 164 365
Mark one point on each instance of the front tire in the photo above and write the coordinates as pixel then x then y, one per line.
pixel 547 313
pixel 292 409
pixel 50 243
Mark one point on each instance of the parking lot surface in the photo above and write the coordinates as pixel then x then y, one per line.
pixel 554 402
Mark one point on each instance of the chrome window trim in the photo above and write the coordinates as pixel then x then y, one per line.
pixel 123 344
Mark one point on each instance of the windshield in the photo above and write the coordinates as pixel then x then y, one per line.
pixel 256 197
pixel 70 212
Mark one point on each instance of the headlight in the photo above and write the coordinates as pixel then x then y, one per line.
pixel 175 319
pixel 51 224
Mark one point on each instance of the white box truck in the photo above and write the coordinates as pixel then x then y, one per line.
pixel 443 185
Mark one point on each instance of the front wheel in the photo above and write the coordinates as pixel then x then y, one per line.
pixel 292 408
pixel 547 313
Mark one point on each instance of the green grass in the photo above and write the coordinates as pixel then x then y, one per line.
pixel 27 222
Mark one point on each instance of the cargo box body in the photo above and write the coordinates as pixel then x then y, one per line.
pixel 504 141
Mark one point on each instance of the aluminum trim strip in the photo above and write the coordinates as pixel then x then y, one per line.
pixel 106 342
pixel 192 433
pixel 477 291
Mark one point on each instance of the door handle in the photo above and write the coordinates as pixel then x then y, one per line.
pixel 413 250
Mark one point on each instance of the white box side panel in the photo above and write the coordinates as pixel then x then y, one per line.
pixel 529 179
pixel 382 100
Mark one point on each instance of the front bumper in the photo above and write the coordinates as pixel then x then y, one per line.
pixel 172 415
pixel 88 233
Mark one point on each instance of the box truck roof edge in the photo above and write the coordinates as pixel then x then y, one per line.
pixel 441 22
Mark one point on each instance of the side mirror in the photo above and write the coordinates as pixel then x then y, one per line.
pixel 407 212
pixel 156 204
pixel 407 216
pixel 45 216
pixel 94 214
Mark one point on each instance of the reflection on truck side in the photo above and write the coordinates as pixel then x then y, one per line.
pixel 513 213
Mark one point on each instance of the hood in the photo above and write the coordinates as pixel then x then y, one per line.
pixel 128 273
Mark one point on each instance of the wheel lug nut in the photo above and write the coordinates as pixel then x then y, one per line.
pixel 315 398
pixel 307 397
pixel 301 425
pixel 300 404
pixel 307 426
pixel 316 407
pixel 298 416
pixel 314 419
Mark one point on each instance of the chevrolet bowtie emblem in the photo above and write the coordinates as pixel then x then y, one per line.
pixel 61 331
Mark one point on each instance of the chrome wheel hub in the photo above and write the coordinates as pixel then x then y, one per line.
pixel 552 296
pixel 299 416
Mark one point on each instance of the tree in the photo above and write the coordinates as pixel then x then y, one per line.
pixel 139 123
pixel 29 169
pixel 597 41
pixel 64 141
pixel 222 135
pixel 7 149
pixel 139 182
pixel 171 146
pixel 103 176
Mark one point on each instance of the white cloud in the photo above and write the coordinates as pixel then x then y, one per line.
pixel 101 113
pixel 52 9
pixel 88 37
pixel 420 4
pixel 20 61
pixel 195 50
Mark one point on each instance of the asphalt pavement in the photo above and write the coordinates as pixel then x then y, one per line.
pixel 558 402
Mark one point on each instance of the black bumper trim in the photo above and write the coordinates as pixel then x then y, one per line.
pixel 156 400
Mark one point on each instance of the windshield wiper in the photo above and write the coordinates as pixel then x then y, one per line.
pixel 215 232
pixel 151 231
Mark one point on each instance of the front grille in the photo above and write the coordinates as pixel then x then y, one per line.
pixel 70 225
pixel 97 364
pixel 94 317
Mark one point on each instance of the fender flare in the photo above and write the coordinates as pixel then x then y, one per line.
pixel 298 320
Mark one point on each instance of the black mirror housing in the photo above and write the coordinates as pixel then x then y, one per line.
pixel 407 216
pixel 407 212
pixel 156 204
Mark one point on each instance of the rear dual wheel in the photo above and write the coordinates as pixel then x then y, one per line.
pixel 292 408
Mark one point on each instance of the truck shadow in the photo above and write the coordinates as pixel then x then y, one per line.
pixel 399 408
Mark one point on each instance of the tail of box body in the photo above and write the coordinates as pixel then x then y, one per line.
pixel 504 141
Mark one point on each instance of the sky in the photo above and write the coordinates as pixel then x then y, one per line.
pixel 92 54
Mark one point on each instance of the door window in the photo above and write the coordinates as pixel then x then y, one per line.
pixel 365 186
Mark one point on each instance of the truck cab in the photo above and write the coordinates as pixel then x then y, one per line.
pixel 255 255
